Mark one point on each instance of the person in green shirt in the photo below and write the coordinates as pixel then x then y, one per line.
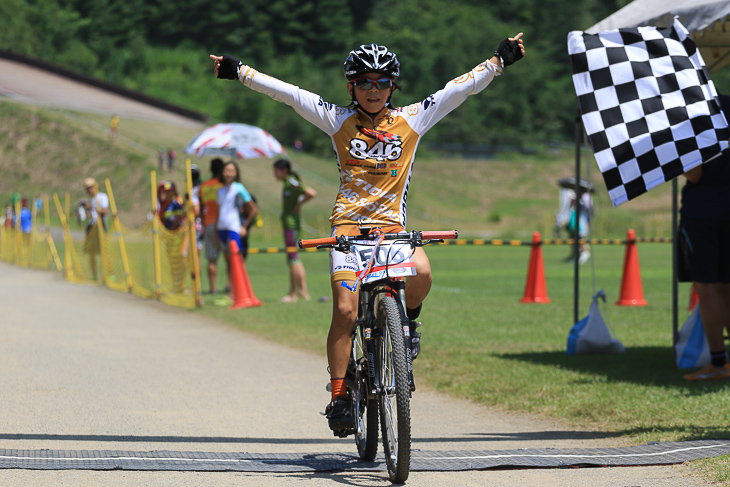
pixel 294 195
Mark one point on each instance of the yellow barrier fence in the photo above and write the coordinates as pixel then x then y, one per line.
pixel 151 262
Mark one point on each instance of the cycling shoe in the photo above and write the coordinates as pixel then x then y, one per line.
pixel 339 415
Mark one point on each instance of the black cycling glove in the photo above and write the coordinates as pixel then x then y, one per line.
pixel 509 52
pixel 229 67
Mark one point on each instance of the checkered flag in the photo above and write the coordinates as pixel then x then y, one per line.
pixel 648 106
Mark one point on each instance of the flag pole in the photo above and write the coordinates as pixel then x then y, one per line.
pixel 675 293
pixel 576 232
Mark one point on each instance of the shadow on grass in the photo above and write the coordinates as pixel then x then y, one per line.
pixel 684 433
pixel 648 366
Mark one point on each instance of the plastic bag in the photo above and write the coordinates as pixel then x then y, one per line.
pixel 692 350
pixel 591 335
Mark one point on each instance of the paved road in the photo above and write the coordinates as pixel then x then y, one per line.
pixel 87 368
pixel 37 86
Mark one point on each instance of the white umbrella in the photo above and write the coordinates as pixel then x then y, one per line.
pixel 234 140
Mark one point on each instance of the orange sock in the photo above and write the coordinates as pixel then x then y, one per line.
pixel 338 388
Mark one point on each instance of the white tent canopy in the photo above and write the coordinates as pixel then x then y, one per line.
pixel 706 20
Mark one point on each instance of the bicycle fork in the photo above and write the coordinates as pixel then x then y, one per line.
pixel 396 287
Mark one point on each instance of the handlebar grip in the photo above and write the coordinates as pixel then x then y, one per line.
pixel 315 242
pixel 445 235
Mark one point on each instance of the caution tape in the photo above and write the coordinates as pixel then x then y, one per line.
pixel 496 242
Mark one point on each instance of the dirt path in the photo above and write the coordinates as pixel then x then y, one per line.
pixel 87 368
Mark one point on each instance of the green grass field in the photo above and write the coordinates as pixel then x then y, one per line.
pixel 481 343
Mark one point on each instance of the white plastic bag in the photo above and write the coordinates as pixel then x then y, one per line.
pixel 692 350
pixel 591 335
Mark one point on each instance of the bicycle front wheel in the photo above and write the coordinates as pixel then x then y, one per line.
pixel 395 408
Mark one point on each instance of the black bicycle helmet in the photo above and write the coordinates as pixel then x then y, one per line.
pixel 371 58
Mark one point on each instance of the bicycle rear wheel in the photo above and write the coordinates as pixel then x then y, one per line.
pixel 395 413
pixel 365 410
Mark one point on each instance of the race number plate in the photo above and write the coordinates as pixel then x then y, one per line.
pixel 392 259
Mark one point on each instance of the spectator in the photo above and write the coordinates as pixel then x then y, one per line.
pixel 584 222
pixel 8 215
pixel 171 214
pixel 209 206
pixel 161 159
pixel 298 145
pixel 169 205
pixel 98 207
pixel 195 202
pixel 81 211
pixel 233 200
pixel 26 217
pixel 113 126
pixel 294 195
pixel 171 160
pixel 704 235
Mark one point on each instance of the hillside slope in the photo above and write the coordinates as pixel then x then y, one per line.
pixel 46 149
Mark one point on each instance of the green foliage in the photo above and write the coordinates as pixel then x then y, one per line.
pixel 161 49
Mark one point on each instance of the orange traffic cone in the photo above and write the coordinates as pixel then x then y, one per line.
pixel 535 287
pixel 243 296
pixel 632 292
pixel 693 298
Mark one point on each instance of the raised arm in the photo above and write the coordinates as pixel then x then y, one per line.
pixel 309 105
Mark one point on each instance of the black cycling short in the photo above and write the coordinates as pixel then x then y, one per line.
pixel 704 251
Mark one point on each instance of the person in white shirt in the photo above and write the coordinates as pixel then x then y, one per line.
pixel 233 201
pixel 98 207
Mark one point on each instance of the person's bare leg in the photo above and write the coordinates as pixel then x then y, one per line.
pixel 299 280
pixel 344 314
pixel 418 286
pixel 212 275
pixel 714 312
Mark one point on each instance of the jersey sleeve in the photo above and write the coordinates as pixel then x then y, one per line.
pixel 241 190
pixel 425 114
pixel 310 106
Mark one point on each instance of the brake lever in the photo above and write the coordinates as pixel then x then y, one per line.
pixel 432 240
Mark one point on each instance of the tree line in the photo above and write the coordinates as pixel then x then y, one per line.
pixel 161 49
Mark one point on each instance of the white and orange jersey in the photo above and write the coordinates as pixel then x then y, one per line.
pixel 375 157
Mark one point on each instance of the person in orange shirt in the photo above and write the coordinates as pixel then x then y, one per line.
pixel 209 206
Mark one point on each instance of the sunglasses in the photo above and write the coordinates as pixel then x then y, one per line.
pixel 368 84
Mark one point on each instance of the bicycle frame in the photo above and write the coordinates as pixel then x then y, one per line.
pixel 369 294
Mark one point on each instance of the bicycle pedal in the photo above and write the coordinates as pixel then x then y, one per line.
pixel 343 433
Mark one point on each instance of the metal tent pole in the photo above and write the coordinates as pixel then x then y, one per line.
pixel 576 232
pixel 675 290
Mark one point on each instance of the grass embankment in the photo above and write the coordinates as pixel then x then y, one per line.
pixel 45 151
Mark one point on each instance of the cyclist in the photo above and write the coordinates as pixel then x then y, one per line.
pixel 375 145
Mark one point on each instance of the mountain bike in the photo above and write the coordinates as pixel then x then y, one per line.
pixel 379 376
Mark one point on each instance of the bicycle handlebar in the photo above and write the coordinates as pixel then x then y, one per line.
pixel 415 237
pixel 316 242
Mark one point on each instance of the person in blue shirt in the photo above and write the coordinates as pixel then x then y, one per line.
pixel 26 217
